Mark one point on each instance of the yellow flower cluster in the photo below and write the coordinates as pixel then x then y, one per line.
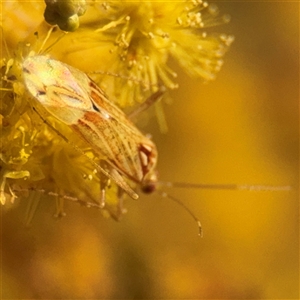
pixel 135 41
pixel 139 38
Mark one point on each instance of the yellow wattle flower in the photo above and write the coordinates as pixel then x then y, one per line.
pixel 134 40
pixel 138 39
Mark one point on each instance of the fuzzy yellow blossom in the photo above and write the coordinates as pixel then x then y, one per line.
pixel 135 41
pixel 138 38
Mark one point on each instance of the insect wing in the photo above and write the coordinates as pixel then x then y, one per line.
pixel 54 86
pixel 73 98
pixel 108 129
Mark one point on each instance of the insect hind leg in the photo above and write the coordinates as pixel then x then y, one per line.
pixel 152 99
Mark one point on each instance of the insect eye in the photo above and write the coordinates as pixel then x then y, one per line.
pixel 148 187
pixel 149 184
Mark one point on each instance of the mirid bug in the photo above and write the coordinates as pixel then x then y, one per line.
pixel 73 98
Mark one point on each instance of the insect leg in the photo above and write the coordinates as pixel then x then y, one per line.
pixel 104 183
pixel 146 104
pixel 121 209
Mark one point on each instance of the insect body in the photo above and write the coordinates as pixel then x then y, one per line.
pixel 74 99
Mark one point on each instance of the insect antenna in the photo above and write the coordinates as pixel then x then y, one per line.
pixel 188 210
pixel 231 187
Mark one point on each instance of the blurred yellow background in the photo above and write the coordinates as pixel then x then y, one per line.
pixel 241 128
